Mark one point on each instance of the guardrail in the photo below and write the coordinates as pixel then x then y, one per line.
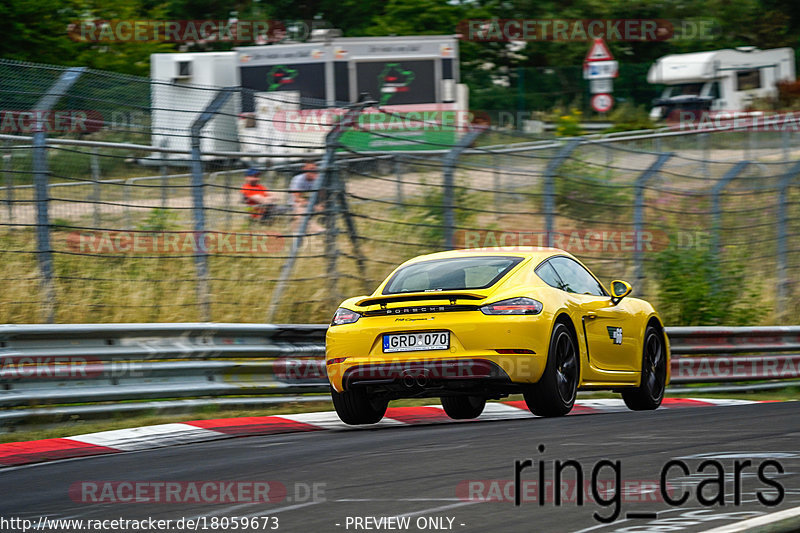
pixel 113 368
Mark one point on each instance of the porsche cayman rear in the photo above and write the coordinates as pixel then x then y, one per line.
pixel 464 326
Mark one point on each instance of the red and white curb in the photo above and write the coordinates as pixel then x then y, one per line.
pixel 158 436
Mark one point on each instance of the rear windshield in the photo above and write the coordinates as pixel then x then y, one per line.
pixel 458 273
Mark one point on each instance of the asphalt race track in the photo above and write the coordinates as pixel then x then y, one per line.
pixel 439 477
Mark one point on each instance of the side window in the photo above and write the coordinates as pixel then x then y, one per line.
pixel 713 91
pixel 748 79
pixel 576 278
pixel 548 275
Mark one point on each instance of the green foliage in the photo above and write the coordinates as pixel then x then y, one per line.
pixel 695 290
pixel 430 213
pixel 159 219
pixel 789 94
pixel 629 117
pixel 61 224
pixel 585 192
pixel 535 76
pixel 569 124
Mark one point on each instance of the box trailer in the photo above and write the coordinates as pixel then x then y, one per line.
pixel 719 80
pixel 289 91
pixel 183 85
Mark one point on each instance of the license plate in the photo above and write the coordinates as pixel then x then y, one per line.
pixel 410 342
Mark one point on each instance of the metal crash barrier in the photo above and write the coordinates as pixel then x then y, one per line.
pixel 75 370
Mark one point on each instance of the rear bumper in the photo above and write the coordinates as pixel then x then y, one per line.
pixel 427 377
pixel 422 372
pixel 476 352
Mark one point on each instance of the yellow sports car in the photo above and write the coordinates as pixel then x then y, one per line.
pixel 472 325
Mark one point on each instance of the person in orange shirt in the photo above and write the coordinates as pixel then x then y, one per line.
pixel 256 196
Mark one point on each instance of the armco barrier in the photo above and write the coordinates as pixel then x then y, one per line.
pixel 692 361
pixel 100 365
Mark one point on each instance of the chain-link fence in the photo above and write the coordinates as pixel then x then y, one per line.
pixel 124 200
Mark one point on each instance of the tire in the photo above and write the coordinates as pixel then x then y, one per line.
pixel 554 394
pixel 463 407
pixel 355 407
pixel 649 394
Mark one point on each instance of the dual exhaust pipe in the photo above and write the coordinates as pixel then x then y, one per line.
pixel 410 380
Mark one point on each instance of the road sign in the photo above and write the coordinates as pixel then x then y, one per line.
pixel 602 102
pixel 600 69
pixel 601 85
pixel 598 52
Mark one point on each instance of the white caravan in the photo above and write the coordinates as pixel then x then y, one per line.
pixel 719 80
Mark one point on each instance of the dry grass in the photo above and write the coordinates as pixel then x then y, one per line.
pixel 160 288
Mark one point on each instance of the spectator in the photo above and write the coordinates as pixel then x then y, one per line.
pixel 256 196
pixel 303 185
pixel 300 190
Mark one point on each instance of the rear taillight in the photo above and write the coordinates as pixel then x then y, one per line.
pixel 344 316
pixel 513 306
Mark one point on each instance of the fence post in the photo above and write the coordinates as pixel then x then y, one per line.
pixel 783 223
pixel 40 181
pixel 716 208
pixel 398 175
pixel 448 197
pixel 705 140
pixel 332 212
pixel 94 164
pixel 328 162
pixel 228 207
pixel 164 179
pixel 198 210
pixel 497 181
pixel 549 198
pixel 126 201
pixel 638 213
pixel 8 167
pixel 785 143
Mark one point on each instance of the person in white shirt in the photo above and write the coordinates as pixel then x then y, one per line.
pixel 301 188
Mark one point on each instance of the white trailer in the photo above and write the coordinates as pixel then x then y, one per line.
pixel 719 80
pixel 184 84
pixel 288 91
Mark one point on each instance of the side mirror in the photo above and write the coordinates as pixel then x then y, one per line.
pixel 619 290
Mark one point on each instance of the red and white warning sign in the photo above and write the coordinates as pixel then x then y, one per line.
pixel 602 102
pixel 599 52
pixel 599 62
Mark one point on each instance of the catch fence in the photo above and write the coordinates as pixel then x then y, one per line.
pixel 137 214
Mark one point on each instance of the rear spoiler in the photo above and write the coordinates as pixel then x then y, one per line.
pixel 419 296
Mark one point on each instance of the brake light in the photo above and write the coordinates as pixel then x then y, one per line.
pixel 335 360
pixel 344 316
pixel 514 351
pixel 513 306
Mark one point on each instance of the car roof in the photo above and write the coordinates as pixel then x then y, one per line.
pixel 535 252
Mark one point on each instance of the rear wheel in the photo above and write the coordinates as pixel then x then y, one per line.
pixel 355 407
pixel 648 395
pixel 463 407
pixel 554 394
